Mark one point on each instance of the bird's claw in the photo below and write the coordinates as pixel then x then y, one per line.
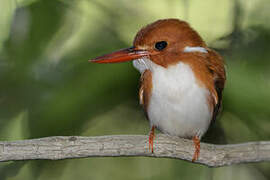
pixel 151 139
pixel 196 154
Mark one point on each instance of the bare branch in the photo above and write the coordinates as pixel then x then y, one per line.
pixel 55 148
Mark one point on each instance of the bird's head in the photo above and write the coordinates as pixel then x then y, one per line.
pixel 159 42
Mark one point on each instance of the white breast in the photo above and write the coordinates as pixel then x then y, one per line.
pixel 178 105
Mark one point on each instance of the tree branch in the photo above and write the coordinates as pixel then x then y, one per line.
pixel 66 147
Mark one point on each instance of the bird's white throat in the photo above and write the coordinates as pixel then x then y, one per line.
pixel 178 105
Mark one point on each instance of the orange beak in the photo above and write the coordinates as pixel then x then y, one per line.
pixel 122 55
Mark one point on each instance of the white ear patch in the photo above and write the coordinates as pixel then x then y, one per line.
pixel 195 49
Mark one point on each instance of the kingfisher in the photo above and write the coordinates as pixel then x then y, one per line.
pixel 181 79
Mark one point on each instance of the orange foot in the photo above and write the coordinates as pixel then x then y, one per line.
pixel 151 139
pixel 196 141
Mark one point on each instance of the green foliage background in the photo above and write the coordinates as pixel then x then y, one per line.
pixel 48 87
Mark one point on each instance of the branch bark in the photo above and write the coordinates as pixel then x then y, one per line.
pixel 65 147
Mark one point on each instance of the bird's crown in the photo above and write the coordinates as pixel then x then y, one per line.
pixel 172 33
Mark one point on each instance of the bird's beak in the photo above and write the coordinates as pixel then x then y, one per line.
pixel 122 55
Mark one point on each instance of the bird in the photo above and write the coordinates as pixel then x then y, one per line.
pixel 182 79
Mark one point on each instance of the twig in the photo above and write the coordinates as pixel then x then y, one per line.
pixel 65 147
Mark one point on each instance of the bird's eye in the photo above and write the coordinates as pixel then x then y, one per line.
pixel 161 45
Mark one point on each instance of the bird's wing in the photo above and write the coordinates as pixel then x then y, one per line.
pixel 216 66
pixel 141 94
pixel 145 89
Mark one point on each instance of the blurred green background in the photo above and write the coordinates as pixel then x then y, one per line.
pixel 48 87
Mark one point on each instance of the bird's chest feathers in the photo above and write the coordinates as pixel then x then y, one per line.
pixel 174 83
pixel 178 104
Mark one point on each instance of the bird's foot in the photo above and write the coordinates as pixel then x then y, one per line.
pixel 196 141
pixel 151 139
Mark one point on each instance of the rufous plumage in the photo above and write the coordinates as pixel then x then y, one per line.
pixel 181 79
